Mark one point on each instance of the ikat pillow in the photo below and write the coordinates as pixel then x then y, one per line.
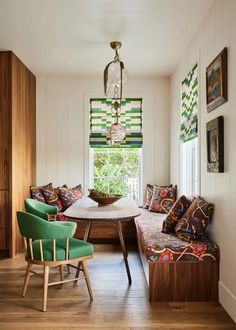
pixel 70 195
pixel 52 197
pixel 163 199
pixel 37 193
pixel 148 196
pixel 175 213
pixel 193 224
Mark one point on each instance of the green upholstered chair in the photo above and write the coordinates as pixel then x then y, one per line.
pixel 50 244
pixel 40 209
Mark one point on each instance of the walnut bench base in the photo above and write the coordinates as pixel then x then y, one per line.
pixel 183 281
pixel 173 281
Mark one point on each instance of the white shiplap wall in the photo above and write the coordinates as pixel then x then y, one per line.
pixel 63 127
pixel 217 31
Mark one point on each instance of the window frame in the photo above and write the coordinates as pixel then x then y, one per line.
pixel 190 185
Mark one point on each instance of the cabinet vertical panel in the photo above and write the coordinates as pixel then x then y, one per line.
pixel 4 210
pixel 23 141
pixel 3 239
pixel 17 147
pixel 5 118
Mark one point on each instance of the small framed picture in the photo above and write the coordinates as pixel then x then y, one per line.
pixel 216 81
pixel 215 145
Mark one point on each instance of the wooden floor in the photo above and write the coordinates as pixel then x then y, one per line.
pixel 115 304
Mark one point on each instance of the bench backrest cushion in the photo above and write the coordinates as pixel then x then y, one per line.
pixel 148 196
pixel 163 199
pixel 37 193
pixel 175 213
pixel 70 195
pixel 193 224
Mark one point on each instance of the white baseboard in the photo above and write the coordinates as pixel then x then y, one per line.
pixel 227 300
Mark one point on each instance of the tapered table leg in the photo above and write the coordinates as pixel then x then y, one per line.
pixel 86 237
pixel 87 231
pixel 124 250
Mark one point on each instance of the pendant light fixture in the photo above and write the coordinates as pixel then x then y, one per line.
pixel 113 87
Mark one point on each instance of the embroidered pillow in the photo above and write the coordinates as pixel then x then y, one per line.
pixel 52 197
pixel 193 224
pixel 148 196
pixel 163 199
pixel 37 193
pixel 70 195
pixel 175 213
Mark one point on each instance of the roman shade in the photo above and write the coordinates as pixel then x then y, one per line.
pixel 189 106
pixel 101 119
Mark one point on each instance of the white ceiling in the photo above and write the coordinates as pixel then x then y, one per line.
pixel 64 37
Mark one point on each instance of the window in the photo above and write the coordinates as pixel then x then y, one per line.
pixel 189 167
pixel 117 171
pixel 189 164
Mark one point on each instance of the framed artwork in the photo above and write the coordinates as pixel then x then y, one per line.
pixel 215 145
pixel 216 81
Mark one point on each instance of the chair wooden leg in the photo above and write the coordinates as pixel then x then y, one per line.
pixel 62 272
pixel 68 269
pixel 86 237
pixel 26 280
pixel 87 279
pixel 45 287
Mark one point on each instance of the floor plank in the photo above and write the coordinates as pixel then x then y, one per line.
pixel 116 305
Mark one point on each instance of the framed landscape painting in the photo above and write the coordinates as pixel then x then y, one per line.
pixel 216 81
pixel 215 145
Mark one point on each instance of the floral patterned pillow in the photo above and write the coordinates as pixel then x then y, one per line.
pixel 193 224
pixel 70 195
pixel 175 213
pixel 163 199
pixel 37 193
pixel 51 196
pixel 148 196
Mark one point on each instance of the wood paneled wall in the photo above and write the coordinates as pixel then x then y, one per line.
pixel 18 145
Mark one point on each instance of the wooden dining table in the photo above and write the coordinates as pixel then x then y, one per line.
pixel 123 210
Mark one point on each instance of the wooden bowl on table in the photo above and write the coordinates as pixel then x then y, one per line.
pixel 103 201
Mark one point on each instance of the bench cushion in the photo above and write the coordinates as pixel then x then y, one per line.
pixel 159 246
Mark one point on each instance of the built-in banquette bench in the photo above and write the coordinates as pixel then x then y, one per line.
pixel 176 270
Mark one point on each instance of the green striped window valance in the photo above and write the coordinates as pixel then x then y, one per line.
pixel 189 106
pixel 101 119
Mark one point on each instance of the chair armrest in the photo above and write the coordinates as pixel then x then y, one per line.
pixel 40 214
pixel 69 228
pixel 50 209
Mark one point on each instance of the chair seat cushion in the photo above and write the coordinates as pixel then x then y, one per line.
pixel 77 249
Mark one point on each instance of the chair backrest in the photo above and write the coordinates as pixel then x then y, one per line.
pixel 34 227
pixel 31 226
pixel 37 208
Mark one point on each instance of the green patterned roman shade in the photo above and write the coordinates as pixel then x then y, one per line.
pixel 101 119
pixel 189 105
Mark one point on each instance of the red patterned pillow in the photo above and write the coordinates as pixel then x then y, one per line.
pixel 163 199
pixel 70 195
pixel 175 213
pixel 148 196
pixel 193 224
pixel 37 193
pixel 52 197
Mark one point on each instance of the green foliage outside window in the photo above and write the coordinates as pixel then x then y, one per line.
pixel 116 171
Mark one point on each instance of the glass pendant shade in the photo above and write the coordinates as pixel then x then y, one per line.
pixel 117 133
pixel 114 79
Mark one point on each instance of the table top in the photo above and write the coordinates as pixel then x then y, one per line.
pixel 86 209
